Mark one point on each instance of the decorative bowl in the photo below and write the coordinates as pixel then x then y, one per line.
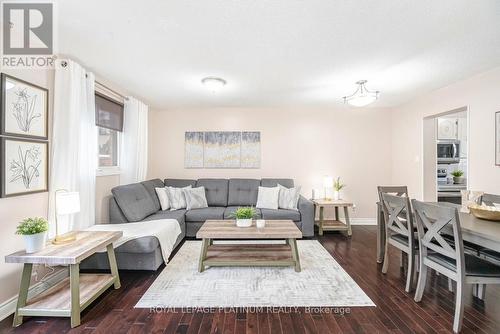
pixel 485 212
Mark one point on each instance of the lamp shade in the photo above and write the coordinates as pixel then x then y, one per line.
pixel 67 203
pixel 328 181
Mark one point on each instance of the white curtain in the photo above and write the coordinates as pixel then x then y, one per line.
pixel 134 142
pixel 74 144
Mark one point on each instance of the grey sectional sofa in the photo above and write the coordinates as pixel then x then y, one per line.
pixel 138 202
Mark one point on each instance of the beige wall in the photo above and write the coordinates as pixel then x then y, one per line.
pixel 103 187
pixel 480 94
pixel 302 144
pixel 14 209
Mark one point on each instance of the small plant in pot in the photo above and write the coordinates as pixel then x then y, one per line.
pixel 337 187
pixel 458 176
pixel 34 232
pixel 244 216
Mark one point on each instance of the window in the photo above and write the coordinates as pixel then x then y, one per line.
pixel 108 147
pixel 109 120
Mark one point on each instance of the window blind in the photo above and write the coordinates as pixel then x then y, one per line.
pixel 108 113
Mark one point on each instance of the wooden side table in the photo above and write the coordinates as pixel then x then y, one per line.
pixel 336 224
pixel 74 293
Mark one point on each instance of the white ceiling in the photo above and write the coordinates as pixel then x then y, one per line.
pixel 295 53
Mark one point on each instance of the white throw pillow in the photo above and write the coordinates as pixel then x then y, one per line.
pixel 163 198
pixel 288 198
pixel 195 198
pixel 176 197
pixel 267 198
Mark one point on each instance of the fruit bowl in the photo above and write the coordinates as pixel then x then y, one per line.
pixel 485 212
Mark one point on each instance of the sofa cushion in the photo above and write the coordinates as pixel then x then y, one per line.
pixel 179 183
pixel 288 183
pixel 176 214
pixel 288 197
pixel 150 186
pixel 268 197
pixel 280 214
pixel 200 215
pixel 139 245
pixel 196 198
pixel 243 192
pixel 162 195
pixel 176 197
pixel 216 191
pixel 229 212
pixel 134 201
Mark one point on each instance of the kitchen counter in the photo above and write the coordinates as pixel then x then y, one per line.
pixel 451 187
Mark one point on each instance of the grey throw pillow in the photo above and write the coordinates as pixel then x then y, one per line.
pixel 288 198
pixel 176 198
pixel 195 198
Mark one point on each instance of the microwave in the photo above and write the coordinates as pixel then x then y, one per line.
pixel 448 151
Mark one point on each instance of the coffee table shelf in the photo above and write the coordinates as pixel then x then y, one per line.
pixel 249 255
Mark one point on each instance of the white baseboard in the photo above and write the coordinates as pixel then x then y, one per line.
pixel 9 306
pixel 363 221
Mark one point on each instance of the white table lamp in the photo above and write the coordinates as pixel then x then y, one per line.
pixel 327 183
pixel 66 203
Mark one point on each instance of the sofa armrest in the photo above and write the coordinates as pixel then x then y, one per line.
pixel 306 209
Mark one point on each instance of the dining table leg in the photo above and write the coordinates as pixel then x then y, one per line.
pixel 380 235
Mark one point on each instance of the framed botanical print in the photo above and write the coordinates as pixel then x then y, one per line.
pixel 24 109
pixel 24 167
pixel 497 138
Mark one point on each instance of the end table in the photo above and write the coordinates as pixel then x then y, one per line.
pixel 73 294
pixel 336 224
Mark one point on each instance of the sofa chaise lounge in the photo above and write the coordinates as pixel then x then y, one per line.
pixel 139 202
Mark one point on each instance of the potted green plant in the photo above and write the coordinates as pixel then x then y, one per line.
pixel 34 232
pixel 458 176
pixel 244 216
pixel 337 187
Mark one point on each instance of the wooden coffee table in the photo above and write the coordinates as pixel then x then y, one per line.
pixel 242 254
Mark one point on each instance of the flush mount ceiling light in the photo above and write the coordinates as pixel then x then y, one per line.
pixel 214 84
pixel 362 96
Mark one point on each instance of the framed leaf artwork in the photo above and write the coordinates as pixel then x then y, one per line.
pixel 24 166
pixel 24 109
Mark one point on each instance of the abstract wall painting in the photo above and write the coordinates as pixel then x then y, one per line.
pixel 24 109
pixel 193 148
pixel 222 149
pixel 250 150
pixel 23 167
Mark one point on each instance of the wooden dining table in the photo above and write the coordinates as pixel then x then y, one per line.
pixel 482 232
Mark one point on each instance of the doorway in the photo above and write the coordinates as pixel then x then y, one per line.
pixel 445 164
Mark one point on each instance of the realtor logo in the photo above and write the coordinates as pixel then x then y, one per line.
pixel 28 35
pixel 27 28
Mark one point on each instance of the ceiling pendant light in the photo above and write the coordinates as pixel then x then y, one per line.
pixel 361 96
pixel 214 84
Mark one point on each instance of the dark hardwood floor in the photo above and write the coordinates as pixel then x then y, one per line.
pixel 396 312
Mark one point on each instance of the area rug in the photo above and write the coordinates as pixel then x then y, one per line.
pixel 321 283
